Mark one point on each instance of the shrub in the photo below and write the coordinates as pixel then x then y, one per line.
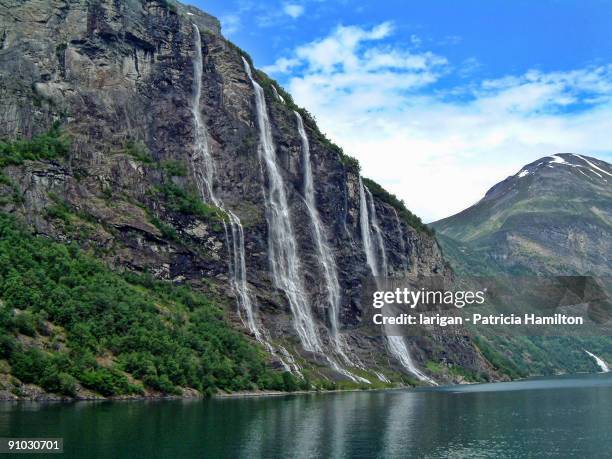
pixel 411 219
pixel 59 382
pixel 29 366
pixel 7 345
pixel 174 168
pixel 106 381
pixel 50 145
pixel 186 202
pixel 164 334
pixel 499 361
pixel 25 323
pixel 138 150
pixel 162 384
pixel 289 383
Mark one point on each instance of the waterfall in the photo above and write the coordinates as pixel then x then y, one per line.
pixel 366 233
pixel 204 171
pixel 382 377
pixel 378 234
pixel 367 211
pixel 278 96
pixel 600 362
pixel 400 235
pixel 282 245
pixel 202 157
pixel 324 253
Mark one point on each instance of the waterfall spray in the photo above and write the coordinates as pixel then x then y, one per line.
pixel 204 172
pixel 599 361
pixel 397 345
pixel 400 235
pixel 202 158
pixel 282 245
pixel 324 252
pixel 278 96
pixel 384 270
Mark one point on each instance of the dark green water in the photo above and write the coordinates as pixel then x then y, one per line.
pixel 557 417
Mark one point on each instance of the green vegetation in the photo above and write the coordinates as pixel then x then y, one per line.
pixel 435 367
pixel 14 196
pixel 169 5
pixel 138 150
pixel 174 168
pixel 237 49
pixel 545 355
pixel 465 259
pixel 187 202
pixel 500 362
pixel 382 194
pixel 74 222
pixel 168 231
pixel 438 368
pixel 352 164
pixel 95 327
pixel 50 145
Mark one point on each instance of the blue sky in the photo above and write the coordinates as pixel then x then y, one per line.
pixel 439 99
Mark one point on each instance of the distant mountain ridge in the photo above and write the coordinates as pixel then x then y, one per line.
pixel 554 216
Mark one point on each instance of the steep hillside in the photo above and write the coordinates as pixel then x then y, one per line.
pixel 181 161
pixel 552 218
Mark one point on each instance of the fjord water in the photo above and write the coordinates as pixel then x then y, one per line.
pixel 556 417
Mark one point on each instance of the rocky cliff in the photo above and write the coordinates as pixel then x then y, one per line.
pixel 167 174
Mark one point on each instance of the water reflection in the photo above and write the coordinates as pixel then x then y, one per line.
pixel 566 417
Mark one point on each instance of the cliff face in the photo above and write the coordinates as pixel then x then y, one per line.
pixel 119 78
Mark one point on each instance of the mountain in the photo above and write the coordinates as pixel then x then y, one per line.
pixel 553 217
pixel 145 154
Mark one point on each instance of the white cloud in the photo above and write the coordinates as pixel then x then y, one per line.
pixel 294 10
pixel 416 40
pixel 468 67
pixel 230 24
pixel 441 150
pixel 282 65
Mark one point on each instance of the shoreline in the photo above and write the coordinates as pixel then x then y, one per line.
pixel 50 398
pixel 141 398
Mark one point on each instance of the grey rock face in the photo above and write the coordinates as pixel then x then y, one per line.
pixel 119 74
